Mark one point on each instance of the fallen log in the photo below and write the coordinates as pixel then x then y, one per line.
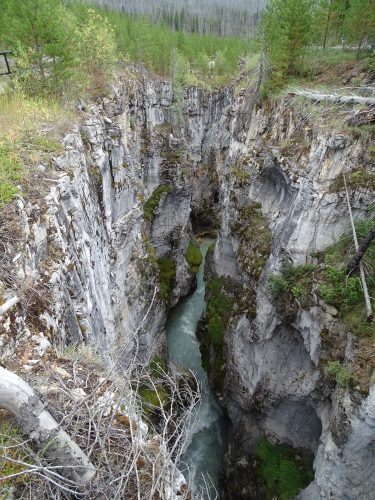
pixel 335 98
pixel 17 397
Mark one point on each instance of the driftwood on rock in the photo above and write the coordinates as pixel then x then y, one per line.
pixel 17 397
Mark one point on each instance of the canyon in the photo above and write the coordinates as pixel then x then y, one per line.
pixel 101 258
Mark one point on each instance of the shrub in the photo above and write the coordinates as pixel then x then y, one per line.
pixel 342 375
pixel 294 282
pixel 277 284
pixel 193 257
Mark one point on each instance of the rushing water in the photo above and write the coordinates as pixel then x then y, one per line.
pixel 208 441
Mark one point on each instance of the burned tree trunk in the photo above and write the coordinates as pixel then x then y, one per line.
pixel 354 261
pixel 369 315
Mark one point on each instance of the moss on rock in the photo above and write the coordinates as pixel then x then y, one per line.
pixel 253 232
pixel 193 257
pixel 153 202
pixel 167 275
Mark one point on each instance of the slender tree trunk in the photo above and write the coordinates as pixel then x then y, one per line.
pixel 327 24
pixel 354 261
pixel 369 315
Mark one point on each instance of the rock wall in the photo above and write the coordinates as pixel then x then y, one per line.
pixel 280 180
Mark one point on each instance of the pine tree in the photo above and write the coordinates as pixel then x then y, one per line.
pixel 41 32
pixel 287 31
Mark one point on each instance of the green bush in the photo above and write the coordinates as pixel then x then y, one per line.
pixel 193 257
pixel 153 202
pixel 277 284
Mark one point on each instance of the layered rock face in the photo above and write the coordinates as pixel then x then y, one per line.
pixel 261 176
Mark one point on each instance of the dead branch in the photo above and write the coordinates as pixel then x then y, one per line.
pixel 8 305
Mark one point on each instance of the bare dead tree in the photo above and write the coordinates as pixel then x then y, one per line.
pixel 134 443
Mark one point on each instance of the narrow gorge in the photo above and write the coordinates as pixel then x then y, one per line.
pixel 109 250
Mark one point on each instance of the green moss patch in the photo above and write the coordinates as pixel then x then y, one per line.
pixel 219 295
pixel 193 257
pixel 10 438
pixel 153 202
pixel 167 275
pixel 153 400
pixel 285 470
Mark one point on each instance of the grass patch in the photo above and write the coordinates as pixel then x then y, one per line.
pixel 153 202
pixel 193 257
pixel 10 438
pixel 30 130
pixel 167 275
pixel 342 375
pixel 11 173
pixel 285 470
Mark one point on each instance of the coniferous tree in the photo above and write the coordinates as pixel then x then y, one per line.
pixel 287 30
pixel 42 33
